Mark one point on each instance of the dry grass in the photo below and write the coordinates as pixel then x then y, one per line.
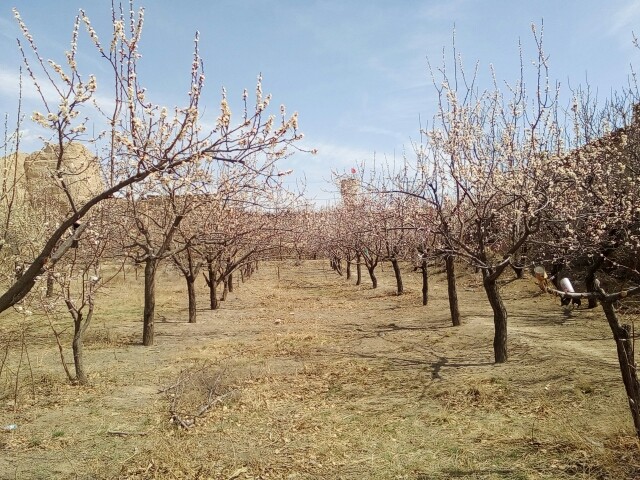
pixel 317 378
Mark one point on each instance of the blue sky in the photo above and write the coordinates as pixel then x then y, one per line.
pixel 356 71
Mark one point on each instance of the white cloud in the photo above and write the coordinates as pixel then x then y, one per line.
pixel 624 19
pixel 10 85
pixel 6 29
pixel 338 156
pixel 31 96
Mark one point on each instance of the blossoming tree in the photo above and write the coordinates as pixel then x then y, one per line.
pixel 140 138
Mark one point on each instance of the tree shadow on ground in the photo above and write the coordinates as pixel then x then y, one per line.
pixel 434 366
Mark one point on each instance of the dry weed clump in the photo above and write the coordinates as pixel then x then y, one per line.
pixel 197 390
pixel 487 394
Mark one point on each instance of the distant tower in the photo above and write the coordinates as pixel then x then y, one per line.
pixel 635 119
pixel 349 189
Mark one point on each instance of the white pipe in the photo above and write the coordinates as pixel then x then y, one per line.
pixel 565 285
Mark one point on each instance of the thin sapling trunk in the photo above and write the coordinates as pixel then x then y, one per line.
pixel 191 294
pixel 425 281
pixel 150 268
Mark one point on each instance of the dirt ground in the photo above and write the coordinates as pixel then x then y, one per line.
pixel 309 377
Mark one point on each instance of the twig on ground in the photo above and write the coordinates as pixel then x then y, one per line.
pixel 124 434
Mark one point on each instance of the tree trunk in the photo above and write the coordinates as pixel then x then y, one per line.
pixel 336 265
pixel 211 283
pixel 372 275
pixel 590 280
pixel 519 271
pixel 230 281
pixel 48 255
pixel 425 282
pixel 358 270
pixel 150 268
pixel 225 289
pixel 624 346
pixel 398 275
pixel 499 318
pixel 213 295
pixel 556 268
pixel 78 347
pixel 50 284
pixel 191 294
pixel 451 289
pixel 348 269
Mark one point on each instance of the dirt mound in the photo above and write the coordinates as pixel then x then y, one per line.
pixel 12 173
pixel 45 169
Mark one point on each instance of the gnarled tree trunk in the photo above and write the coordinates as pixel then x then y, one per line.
pixel 398 275
pixel 519 271
pixel 624 346
pixel 80 325
pixel 556 268
pixel 225 289
pixel 590 280
pixel 213 295
pixel 210 278
pixel 50 284
pixel 452 291
pixel 499 317
pixel 372 275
